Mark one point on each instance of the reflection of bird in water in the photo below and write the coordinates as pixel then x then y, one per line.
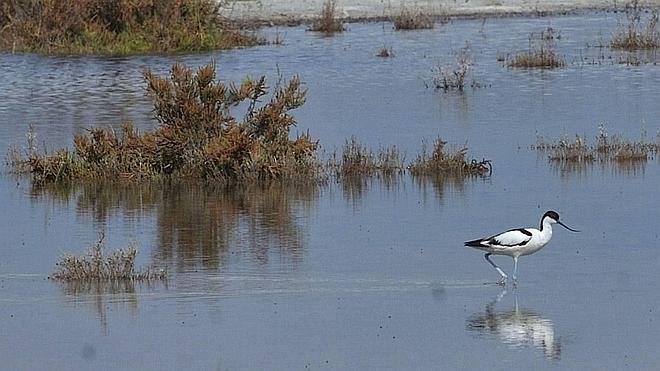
pixel 518 242
pixel 517 328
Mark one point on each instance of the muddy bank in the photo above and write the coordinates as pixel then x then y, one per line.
pixel 283 11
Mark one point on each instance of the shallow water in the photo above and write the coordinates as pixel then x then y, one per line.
pixel 348 277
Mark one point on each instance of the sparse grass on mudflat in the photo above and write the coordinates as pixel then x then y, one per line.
pixel 636 35
pixel 541 52
pixel 605 149
pixel 116 27
pixel 119 265
pixel 329 22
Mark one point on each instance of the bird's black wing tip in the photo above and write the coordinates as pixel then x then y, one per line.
pixel 473 243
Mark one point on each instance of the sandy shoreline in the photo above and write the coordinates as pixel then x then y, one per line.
pixel 283 11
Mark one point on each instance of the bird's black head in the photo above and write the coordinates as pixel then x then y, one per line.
pixel 551 214
pixel 554 218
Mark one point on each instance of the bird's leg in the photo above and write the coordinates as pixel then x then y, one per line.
pixel 499 270
pixel 515 271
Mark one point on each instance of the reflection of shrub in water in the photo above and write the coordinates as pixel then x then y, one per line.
pixel 207 225
pixel 200 223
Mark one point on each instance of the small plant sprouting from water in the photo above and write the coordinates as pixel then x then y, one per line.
pixel 408 19
pixel 448 78
pixel 328 23
pixel 119 265
pixel 636 35
pixel 541 52
pixel 385 52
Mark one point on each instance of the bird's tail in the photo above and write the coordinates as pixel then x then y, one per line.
pixel 474 243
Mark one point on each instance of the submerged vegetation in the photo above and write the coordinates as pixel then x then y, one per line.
pixel 119 265
pixel 606 149
pixel 541 52
pixel 328 22
pixel 116 27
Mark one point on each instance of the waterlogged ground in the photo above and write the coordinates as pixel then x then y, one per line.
pixel 348 276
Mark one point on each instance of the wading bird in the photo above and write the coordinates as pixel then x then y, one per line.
pixel 518 242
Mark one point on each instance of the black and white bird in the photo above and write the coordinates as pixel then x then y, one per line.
pixel 518 242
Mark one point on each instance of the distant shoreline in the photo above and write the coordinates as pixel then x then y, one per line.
pixel 278 12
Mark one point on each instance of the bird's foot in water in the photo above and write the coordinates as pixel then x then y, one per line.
pixel 502 281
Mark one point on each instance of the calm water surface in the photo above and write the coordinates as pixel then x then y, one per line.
pixel 348 277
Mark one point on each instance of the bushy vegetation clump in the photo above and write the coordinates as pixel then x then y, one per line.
pixel 197 136
pixel 116 27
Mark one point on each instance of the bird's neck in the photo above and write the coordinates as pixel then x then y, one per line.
pixel 546 226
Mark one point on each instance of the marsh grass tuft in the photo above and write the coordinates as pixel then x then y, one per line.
pixel 635 34
pixel 439 161
pixel 605 149
pixel 409 19
pixel 119 265
pixel 356 160
pixel 116 27
pixel 541 52
pixel 328 23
